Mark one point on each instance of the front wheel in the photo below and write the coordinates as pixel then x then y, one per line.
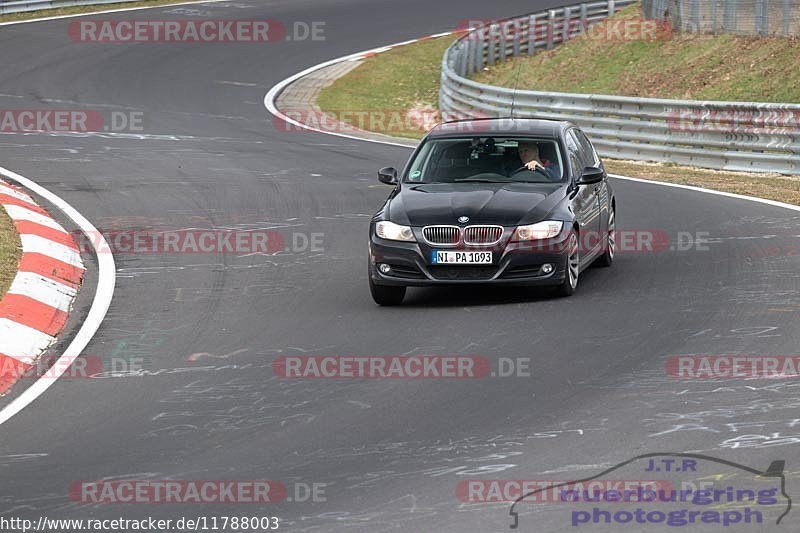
pixel 570 283
pixel 386 295
pixel 607 259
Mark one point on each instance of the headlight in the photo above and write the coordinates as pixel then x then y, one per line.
pixel 394 232
pixel 543 230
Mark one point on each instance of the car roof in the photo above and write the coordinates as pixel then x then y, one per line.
pixel 501 126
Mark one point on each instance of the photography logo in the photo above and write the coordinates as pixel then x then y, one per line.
pixel 692 490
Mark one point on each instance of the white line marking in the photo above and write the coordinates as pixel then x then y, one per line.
pixel 772 203
pixel 236 83
pixel 17 212
pixel 40 245
pixel 44 290
pixel 102 300
pixel 22 343
pixel 8 191
pixel 379 50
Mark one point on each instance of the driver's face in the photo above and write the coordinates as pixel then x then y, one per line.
pixel 528 152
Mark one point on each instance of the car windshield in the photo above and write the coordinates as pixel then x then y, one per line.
pixel 487 159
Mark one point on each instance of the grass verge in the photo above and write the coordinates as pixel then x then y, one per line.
pixel 770 186
pixel 77 10
pixel 673 65
pixel 406 78
pixel 10 252
pixel 391 83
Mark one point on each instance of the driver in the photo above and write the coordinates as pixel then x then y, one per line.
pixel 529 155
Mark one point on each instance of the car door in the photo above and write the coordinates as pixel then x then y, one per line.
pixel 603 190
pixel 585 202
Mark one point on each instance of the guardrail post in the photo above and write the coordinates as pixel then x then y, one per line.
pixel 470 40
pixel 551 15
pixel 584 22
pixel 463 59
pixel 490 44
pixel 611 7
pixel 532 34
pixel 502 41
pixel 517 37
pixel 565 27
pixel 478 51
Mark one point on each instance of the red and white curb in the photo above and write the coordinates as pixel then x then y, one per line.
pixel 35 308
pixel 103 295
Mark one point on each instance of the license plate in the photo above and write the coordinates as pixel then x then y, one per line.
pixel 439 257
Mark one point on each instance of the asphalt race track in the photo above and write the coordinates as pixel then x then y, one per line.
pixel 390 453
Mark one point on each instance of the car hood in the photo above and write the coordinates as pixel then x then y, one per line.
pixel 506 204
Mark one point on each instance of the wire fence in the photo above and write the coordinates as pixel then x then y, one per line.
pixel 746 17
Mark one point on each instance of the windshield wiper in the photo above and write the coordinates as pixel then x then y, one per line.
pixel 480 180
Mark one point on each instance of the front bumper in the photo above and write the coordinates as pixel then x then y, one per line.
pixel 513 263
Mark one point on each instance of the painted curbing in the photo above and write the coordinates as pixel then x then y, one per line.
pixel 35 308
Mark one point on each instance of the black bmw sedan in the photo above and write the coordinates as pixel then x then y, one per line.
pixel 493 201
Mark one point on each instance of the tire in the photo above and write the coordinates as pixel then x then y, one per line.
pixel 386 295
pixel 607 259
pixel 573 270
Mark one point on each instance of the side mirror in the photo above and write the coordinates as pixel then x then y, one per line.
pixel 388 175
pixel 592 175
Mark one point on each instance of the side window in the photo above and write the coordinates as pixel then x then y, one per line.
pixel 574 154
pixel 590 153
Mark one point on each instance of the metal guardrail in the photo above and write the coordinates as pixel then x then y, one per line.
pixel 742 136
pixel 21 6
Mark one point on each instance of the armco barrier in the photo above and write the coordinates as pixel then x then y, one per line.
pixel 744 136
